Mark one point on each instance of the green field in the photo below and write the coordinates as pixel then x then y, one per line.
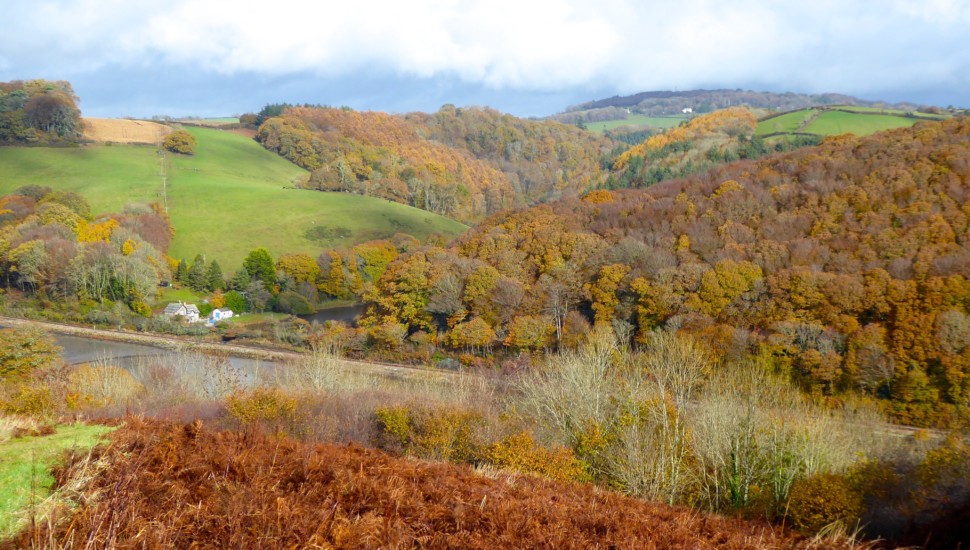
pixel 230 197
pixel 860 121
pixel 636 121
pixel 833 123
pixel 25 469
pixel 788 122
pixel 109 176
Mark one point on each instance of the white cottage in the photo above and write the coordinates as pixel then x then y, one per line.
pixel 219 315
pixel 180 309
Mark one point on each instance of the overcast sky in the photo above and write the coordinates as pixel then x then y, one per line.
pixel 528 57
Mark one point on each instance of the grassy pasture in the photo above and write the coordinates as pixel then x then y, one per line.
pixel 230 197
pixel 108 176
pixel 860 121
pixel 832 123
pixel 661 122
pixel 233 196
pixel 788 122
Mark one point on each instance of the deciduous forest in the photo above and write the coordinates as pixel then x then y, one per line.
pixel 463 163
pixel 847 263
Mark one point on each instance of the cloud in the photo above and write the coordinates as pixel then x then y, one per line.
pixel 516 45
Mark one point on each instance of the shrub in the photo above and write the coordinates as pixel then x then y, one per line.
pixel 822 500
pixel 446 433
pixel 521 452
pixel 102 385
pixel 269 407
pixel 32 400
pixel 180 142
pixel 395 427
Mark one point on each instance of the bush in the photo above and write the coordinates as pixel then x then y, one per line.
pixel 102 385
pixel 445 433
pixel 267 407
pixel 822 500
pixel 521 452
pixel 180 142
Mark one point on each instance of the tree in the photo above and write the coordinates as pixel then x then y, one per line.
pixel 301 267
pixel 214 278
pixel 235 301
pixel 180 142
pixel 22 350
pixel 182 272
pixel 240 279
pixel 259 265
pixel 53 113
pixel 197 276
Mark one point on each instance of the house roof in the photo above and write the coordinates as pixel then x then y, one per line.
pixel 180 308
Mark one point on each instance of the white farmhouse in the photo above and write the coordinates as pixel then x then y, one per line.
pixel 180 309
pixel 687 110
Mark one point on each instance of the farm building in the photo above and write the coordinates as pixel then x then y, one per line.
pixel 219 314
pixel 180 309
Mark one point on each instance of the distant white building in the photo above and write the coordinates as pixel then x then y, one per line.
pixel 219 314
pixel 687 110
pixel 180 309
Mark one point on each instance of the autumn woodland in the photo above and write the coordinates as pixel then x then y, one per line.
pixel 693 337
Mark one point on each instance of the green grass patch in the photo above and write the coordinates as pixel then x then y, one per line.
pixel 108 176
pixel 636 121
pixel 229 198
pixel 25 464
pixel 788 122
pixel 831 123
pixel 170 294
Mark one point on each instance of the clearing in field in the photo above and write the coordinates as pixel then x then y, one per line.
pixel 119 130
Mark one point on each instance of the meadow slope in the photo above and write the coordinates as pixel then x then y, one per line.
pixel 229 198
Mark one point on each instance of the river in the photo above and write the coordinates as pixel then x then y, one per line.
pixel 345 314
pixel 79 350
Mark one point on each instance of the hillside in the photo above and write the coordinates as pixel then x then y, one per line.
pixel 694 146
pixel 848 264
pixel 230 197
pixel 163 485
pixel 461 163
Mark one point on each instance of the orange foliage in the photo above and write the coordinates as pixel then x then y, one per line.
pixel 174 486
pixel 734 120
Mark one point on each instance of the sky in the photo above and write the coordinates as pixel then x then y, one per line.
pixel 143 58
